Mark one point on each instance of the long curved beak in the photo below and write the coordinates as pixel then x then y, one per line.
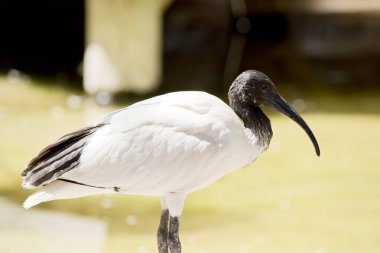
pixel 279 103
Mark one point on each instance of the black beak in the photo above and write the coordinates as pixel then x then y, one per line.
pixel 279 103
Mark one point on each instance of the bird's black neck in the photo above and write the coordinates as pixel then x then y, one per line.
pixel 255 119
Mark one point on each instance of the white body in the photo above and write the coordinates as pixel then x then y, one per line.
pixel 168 145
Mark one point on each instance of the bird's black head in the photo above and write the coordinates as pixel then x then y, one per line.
pixel 253 88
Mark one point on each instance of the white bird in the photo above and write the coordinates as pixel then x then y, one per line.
pixel 166 146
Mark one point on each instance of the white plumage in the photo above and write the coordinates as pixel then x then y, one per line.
pixel 166 146
pixel 173 143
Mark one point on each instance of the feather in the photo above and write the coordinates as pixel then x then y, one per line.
pixel 60 189
pixel 57 158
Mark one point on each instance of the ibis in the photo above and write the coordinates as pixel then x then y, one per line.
pixel 167 146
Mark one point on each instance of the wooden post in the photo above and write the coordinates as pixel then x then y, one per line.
pixel 123 45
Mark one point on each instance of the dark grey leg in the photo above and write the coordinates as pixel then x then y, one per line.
pixel 162 233
pixel 174 243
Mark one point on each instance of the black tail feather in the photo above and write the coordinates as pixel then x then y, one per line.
pixel 57 158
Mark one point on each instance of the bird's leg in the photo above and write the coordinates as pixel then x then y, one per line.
pixel 174 202
pixel 162 233
pixel 173 240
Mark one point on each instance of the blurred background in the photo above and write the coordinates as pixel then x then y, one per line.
pixel 64 63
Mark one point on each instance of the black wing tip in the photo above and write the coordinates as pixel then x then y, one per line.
pixel 54 149
pixel 25 172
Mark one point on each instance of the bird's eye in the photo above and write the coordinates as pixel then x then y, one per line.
pixel 264 88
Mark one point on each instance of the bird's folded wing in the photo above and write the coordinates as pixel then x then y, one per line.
pixel 131 143
pixel 57 158
pixel 147 141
